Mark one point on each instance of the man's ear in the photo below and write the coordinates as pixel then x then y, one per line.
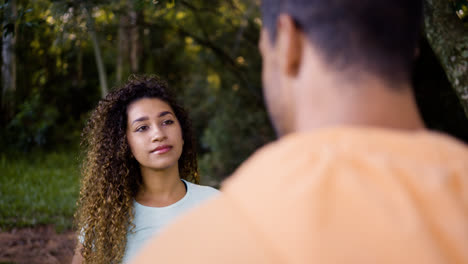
pixel 288 45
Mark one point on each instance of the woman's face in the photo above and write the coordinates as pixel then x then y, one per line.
pixel 154 134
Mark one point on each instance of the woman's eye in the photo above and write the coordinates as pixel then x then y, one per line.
pixel 141 128
pixel 168 122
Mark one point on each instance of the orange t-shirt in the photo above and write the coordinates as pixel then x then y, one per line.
pixel 340 195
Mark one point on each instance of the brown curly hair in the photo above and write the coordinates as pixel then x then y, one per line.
pixel 111 176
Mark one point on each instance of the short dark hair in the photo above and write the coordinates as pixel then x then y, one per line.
pixel 379 36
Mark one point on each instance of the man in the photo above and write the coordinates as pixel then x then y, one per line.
pixel 354 177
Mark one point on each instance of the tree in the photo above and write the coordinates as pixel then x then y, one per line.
pixel 136 16
pixel 448 37
pixel 8 58
pixel 97 51
pixel 121 41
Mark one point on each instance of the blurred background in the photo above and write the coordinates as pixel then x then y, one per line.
pixel 60 57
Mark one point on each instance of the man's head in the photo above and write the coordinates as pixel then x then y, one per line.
pixel 348 38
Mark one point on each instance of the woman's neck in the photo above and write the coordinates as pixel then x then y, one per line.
pixel 160 188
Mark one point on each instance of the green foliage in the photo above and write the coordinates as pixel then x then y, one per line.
pixel 206 50
pixel 32 124
pixel 230 138
pixel 461 8
pixel 40 188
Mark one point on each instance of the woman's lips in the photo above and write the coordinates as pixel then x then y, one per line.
pixel 161 149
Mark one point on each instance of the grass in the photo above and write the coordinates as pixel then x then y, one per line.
pixel 38 188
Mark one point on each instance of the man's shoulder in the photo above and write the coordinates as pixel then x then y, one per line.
pixel 302 173
pixel 347 182
pixel 308 154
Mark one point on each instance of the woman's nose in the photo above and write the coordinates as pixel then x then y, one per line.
pixel 158 134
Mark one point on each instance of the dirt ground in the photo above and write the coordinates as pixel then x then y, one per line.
pixel 38 245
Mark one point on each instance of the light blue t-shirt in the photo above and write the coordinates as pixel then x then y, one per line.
pixel 150 220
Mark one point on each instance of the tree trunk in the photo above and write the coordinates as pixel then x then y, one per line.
pixel 97 53
pixel 120 48
pixel 8 62
pixel 79 66
pixel 135 39
pixel 448 37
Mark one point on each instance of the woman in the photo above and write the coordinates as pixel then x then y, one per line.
pixel 139 171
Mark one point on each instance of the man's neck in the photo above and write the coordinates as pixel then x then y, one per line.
pixel 367 103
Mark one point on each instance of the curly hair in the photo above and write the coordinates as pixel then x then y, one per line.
pixel 110 174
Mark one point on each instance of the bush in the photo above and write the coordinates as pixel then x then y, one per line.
pixel 32 125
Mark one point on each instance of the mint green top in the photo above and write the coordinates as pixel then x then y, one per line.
pixel 150 220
